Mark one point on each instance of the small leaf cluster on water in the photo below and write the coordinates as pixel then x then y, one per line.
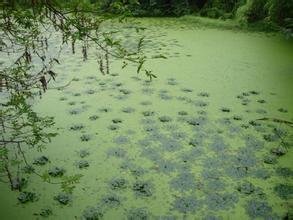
pixel 144 189
pixel 284 172
pixel 117 120
pixel 128 110
pixel 63 198
pixel 183 182
pixel 212 217
pixel 118 183
pixel 214 185
pixel 113 127
pixel 170 144
pixel 182 113
pixel 270 159
pixel 146 103
pixel 92 213
pixel 148 113
pixel 186 90
pixel 186 204
pixel 199 121
pixel 270 137
pixel 279 151
pixel 275 154
pixel 125 91
pixel 258 209
pixel 138 214
pixel 284 191
pixel 200 103
pixel 85 137
pixel 253 143
pixel 218 201
pixel 116 152
pixel 172 82
pixel 105 110
pixel 25 197
pixel 121 140
pixel 283 110
pixel 111 200
pixel 166 166
pixel 194 142
pixel 218 144
pixel 83 153
pixel 225 109
pixel 203 94
pixel 82 164
pixel 41 160
pixel 246 188
pixel 77 127
pixel 75 111
pixel 56 172
pixel 262 173
pixel 165 118
pixel 28 169
pixel 93 117
pixel 165 96
pixel 45 212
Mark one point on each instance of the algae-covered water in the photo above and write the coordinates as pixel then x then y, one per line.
pixel 188 145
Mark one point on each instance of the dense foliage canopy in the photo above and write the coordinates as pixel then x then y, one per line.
pixel 279 12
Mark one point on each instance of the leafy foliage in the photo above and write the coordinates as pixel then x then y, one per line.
pixel 270 13
pixel 26 29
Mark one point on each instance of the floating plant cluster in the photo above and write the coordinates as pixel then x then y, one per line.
pixel 25 197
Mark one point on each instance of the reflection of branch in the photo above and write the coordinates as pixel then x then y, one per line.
pixel 27 164
pixel 289 123
pixel 95 40
pixel 10 142
pixel 62 87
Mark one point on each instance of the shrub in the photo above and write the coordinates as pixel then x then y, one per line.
pixel 280 11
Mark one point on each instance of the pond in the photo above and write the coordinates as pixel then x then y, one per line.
pixel 210 138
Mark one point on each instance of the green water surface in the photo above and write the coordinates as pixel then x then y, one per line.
pixel 187 145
